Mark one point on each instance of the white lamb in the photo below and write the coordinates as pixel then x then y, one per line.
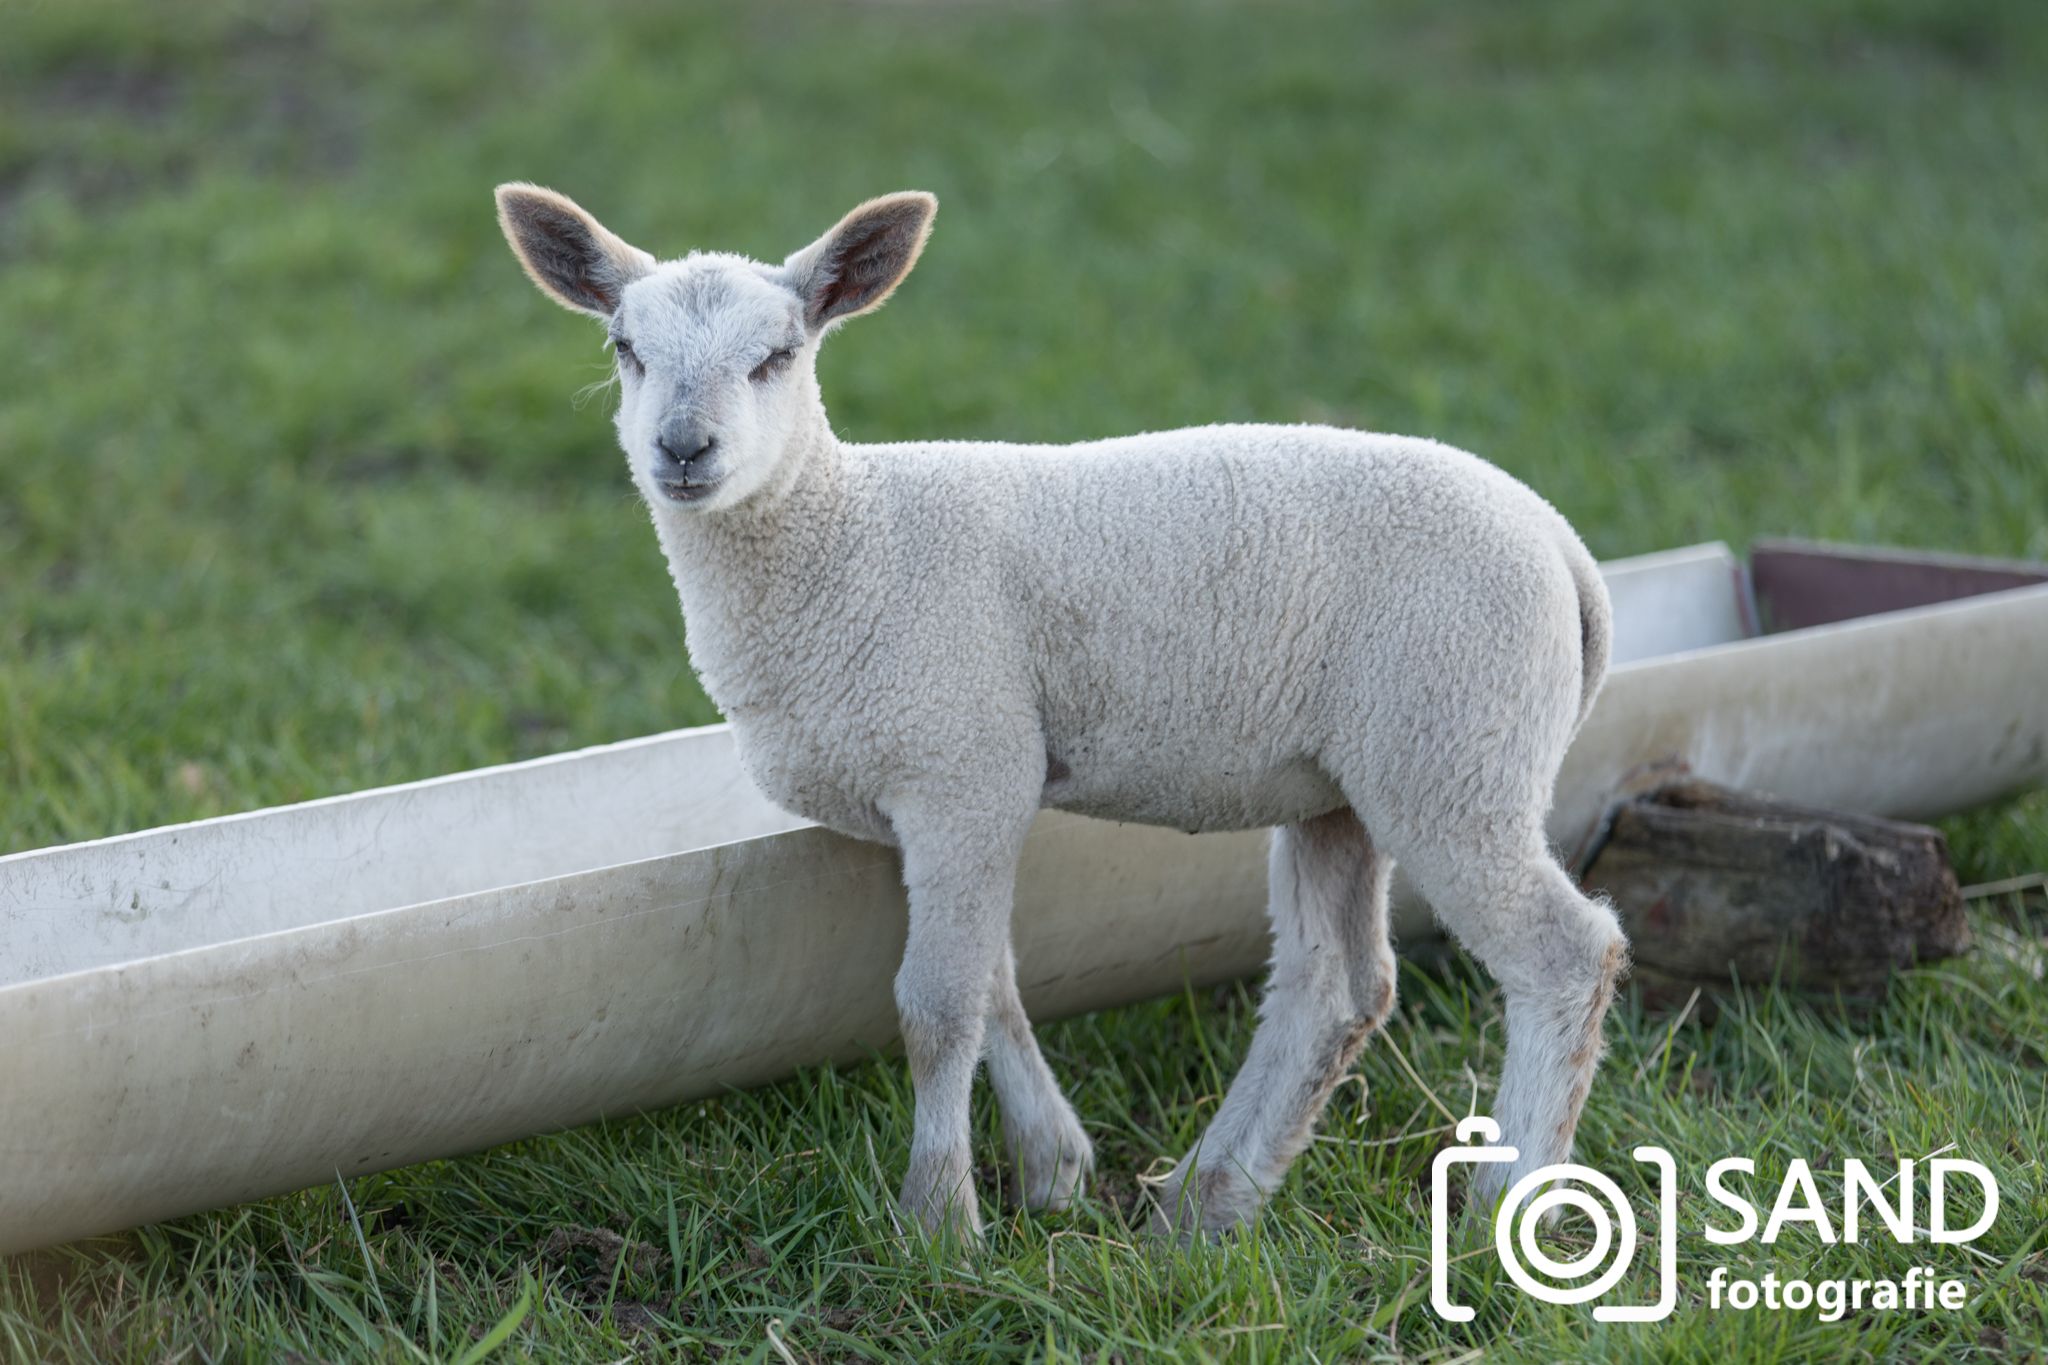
pixel 1379 644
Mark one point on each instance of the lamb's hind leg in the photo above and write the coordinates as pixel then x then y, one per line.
pixel 1332 984
pixel 1049 1153
pixel 1556 954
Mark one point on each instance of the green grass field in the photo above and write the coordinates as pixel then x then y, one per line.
pixel 296 498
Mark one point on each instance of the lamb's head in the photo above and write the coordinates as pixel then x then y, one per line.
pixel 716 353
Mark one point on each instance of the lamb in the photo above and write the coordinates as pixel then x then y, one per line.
pixel 1379 645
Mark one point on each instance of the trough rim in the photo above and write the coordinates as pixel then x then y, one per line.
pixel 1874 620
pixel 1880 620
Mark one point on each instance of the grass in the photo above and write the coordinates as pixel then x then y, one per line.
pixel 294 500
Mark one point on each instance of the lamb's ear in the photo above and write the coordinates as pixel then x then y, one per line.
pixel 855 266
pixel 569 254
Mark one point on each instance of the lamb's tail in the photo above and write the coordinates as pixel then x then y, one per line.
pixel 1596 621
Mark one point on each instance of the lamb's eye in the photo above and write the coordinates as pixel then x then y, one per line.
pixel 627 355
pixel 775 361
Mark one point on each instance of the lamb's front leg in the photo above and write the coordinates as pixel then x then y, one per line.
pixel 1049 1153
pixel 961 870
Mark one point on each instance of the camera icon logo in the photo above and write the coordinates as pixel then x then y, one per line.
pixel 1612 1219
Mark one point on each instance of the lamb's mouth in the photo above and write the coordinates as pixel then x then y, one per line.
pixel 677 490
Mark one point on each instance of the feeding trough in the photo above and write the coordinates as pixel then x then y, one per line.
pixel 217 1011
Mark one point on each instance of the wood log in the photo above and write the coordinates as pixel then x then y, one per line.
pixel 1715 885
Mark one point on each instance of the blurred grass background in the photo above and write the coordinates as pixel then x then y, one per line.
pixel 296 498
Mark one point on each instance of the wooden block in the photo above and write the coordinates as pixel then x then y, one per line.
pixel 1713 885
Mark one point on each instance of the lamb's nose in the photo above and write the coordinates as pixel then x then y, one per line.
pixel 686 446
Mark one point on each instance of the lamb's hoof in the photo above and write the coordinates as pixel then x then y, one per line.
pixel 1053 1166
pixel 1479 1214
pixel 938 1197
pixel 1218 1202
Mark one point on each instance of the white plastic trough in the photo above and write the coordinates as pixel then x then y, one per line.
pixel 213 1012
